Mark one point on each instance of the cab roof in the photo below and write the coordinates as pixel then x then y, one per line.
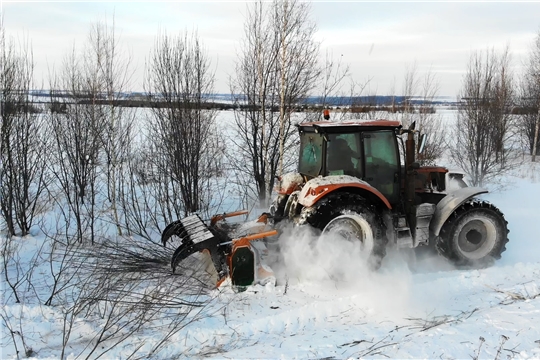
pixel 349 126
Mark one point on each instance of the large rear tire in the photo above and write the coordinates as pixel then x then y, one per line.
pixel 475 235
pixel 351 217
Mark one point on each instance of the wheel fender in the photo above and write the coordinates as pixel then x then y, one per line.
pixel 449 204
pixel 317 188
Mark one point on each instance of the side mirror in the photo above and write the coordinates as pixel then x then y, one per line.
pixel 422 143
pixel 415 165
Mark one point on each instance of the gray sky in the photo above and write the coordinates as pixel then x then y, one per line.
pixel 379 40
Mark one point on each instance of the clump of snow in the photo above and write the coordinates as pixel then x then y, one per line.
pixel 337 179
pixel 306 196
pixel 290 181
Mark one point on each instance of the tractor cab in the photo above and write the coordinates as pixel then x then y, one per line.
pixel 367 150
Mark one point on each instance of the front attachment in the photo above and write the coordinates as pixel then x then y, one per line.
pixel 190 230
pixel 240 258
pixel 212 246
pixel 195 237
pixel 247 261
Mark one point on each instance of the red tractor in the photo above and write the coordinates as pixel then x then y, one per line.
pixel 359 180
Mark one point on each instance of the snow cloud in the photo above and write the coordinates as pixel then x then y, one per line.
pixel 322 265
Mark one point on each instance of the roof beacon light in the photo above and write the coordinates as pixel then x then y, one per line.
pixel 326 114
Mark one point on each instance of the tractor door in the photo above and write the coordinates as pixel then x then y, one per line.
pixel 381 162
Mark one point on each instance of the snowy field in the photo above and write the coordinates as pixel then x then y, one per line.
pixel 431 311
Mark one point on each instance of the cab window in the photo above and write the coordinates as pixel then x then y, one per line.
pixel 381 162
pixel 310 162
pixel 343 155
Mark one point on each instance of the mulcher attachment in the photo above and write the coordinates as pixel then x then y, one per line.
pixel 195 237
pixel 236 258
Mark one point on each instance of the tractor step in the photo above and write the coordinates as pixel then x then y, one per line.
pixel 404 237
pixel 424 213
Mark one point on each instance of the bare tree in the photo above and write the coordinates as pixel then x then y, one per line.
pixel 430 123
pixel 186 147
pixel 483 133
pixel 257 137
pixel 410 88
pixel 297 68
pixel 114 72
pixel 22 154
pixel 425 88
pixel 77 135
pixel 335 88
pixel 141 207
pixel 333 75
pixel 277 67
pixel 530 100
pixel 92 132
pixel 365 102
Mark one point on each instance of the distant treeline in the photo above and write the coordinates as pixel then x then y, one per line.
pixel 374 100
pixel 357 104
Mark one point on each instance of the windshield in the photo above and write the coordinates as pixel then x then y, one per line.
pixel 310 154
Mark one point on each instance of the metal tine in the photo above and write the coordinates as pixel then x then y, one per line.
pixel 196 229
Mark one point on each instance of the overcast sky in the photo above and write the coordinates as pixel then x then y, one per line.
pixel 380 41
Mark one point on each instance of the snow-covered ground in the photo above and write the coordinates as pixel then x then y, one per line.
pixel 434 311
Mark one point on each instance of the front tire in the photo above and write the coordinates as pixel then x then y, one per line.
pixel 475 235
pixel 351 217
